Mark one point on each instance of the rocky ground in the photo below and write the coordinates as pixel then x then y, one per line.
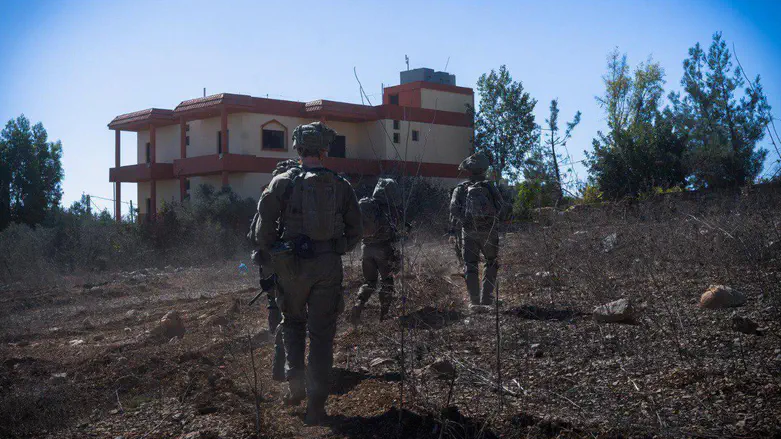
pixel 89 357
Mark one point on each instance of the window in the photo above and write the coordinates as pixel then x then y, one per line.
pixel 187 140
pixel 415 135
pixel 149 208
pixel 396 125
pixel 273 139
pixel 396 137
pixel 148 152
pixel 187 127
pixel 338 147
pixel 219 140
pixel 394 99
pixel 187 185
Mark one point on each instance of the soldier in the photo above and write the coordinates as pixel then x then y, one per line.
pixel 320 220
pixel 379 259
pixel 478 206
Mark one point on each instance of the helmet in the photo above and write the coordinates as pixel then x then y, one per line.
pixel 387 192
pixel 314 136
pixel 283 166
pixel 476 163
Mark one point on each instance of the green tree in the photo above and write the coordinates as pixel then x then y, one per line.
pixel 641 149
pixel 724 129
pixel 504 126
pixel 30 173
pixel 552 140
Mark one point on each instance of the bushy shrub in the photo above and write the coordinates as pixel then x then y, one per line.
pixel 214 224
pixel 530 195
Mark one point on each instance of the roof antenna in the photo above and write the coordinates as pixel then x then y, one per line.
pixel 446 64
pixel 204 92
pixel 406 58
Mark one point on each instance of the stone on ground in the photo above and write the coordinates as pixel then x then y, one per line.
pixel 617 311
pixel 171 325
pixel 720 296
pixel 744 325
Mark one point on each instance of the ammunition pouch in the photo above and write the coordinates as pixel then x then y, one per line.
pixel 286 254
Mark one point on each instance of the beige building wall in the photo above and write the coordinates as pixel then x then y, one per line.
pixel 445 101
pixel 435 144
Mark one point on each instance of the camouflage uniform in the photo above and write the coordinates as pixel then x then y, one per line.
pixel 309 203
pixel 379 259
pixel 478 237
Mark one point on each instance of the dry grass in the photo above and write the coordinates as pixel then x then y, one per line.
pixel 681 371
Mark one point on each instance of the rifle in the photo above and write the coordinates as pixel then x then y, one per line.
pixel 266 284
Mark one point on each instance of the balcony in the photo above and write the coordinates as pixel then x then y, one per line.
pixel 217 164
pixel 141 172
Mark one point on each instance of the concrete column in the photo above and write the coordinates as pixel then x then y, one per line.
pixel 153 182
pixel 224 140
pixel 182 155
pixel 117 184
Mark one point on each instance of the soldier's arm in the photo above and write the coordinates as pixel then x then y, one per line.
pixel 269 211
pixel 456 207
pixel 353 226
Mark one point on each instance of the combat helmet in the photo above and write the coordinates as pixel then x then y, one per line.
pixel 477 163
pixel 387 192
pixel 312 137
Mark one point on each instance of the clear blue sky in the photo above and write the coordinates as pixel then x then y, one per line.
pixel 75 65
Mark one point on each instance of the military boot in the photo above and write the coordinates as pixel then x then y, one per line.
pixel 296 392
pixel 385 305
pixel 315 413
pixel 355 313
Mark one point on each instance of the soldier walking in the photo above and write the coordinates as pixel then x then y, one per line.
pixel 478 206
pixel 318 214
pixel 379 258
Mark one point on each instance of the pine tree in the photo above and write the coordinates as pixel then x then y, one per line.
pixel 30 173
pixel 724 129
pixel 504 122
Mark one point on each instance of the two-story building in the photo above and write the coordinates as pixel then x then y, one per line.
pixel 421 128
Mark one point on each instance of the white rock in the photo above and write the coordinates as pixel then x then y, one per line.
pixel 618 311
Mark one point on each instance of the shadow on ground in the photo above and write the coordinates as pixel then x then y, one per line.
pixel 450 424
pixel 532 312
pixel 430 318
pixel 343 380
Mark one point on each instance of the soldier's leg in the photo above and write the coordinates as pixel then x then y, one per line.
pixel 471 270
pixel 325 305
pixel 291 299
pixel 369 267
pixel 385 266
pixel 491 255
pixel 274 319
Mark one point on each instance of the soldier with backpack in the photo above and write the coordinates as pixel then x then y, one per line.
pixel 478 206
pixel 379 260
pixel 319 218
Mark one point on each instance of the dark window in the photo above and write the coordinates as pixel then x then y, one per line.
pixel 187 140
pixel 396 125
pixel 394 99
pixel 187 184
pixel 219 140
pixel 338 147
pixel 187 127
pixel 414 135
pixel 148 152
pixel 148 208
pixel 273 139
pixel 396 137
